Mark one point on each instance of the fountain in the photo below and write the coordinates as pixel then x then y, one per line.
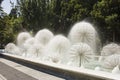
pixel 35 51
pixel 111 61
pixel 84 32
pixel 22 37
pixel 79 54
pixel 78 50
pixel 116 70
pixel 58 46
pixel 29 42
pixel 12 49
pixel 110 56
pixel 43 36
pixel 110 49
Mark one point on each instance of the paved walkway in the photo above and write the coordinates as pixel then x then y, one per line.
pixel 2 77
pixel 9 73
pixel 13 71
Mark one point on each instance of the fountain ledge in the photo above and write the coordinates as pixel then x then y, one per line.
pixel 64 69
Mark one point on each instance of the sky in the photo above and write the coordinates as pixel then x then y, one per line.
pixel 7 6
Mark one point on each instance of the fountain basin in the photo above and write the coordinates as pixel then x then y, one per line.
pixel 67 72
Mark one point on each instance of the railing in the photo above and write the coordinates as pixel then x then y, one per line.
pixel 64 71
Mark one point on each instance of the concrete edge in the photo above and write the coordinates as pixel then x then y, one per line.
pixel 67 70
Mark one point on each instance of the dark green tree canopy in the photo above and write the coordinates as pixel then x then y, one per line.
pixel 106 12
pixel 59 16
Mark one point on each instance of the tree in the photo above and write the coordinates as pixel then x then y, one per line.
pixel 10 26
pixel 34 13
pixel 58 15
pixel 73 11
pixel 13 13
pixel 0 3
pixel 6 34
pixel 1 11
pixel 106 13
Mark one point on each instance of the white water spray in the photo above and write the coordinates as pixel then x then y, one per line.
pixel 12 48
pixel 59 45
pixel 35 51
pixel 110 49
pixel 84 32
pixel 79 54
pixel 111 61
pixel 29 42
pixel 22 37
pixel 44 36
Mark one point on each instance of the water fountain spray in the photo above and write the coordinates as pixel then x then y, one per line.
pixel 44 36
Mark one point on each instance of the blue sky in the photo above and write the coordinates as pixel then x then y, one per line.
pixel 7 6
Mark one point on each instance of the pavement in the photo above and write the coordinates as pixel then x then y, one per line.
pixel 9 73
pixel 10 70
pixel 2 77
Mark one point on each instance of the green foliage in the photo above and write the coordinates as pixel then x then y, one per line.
pixel 1 11
pixel 9 28
pixel 106 13
pixel 6 32
pixel 34 13
pixel 59 16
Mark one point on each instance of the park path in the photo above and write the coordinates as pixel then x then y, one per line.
pixel 9 73
pixel 10 70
